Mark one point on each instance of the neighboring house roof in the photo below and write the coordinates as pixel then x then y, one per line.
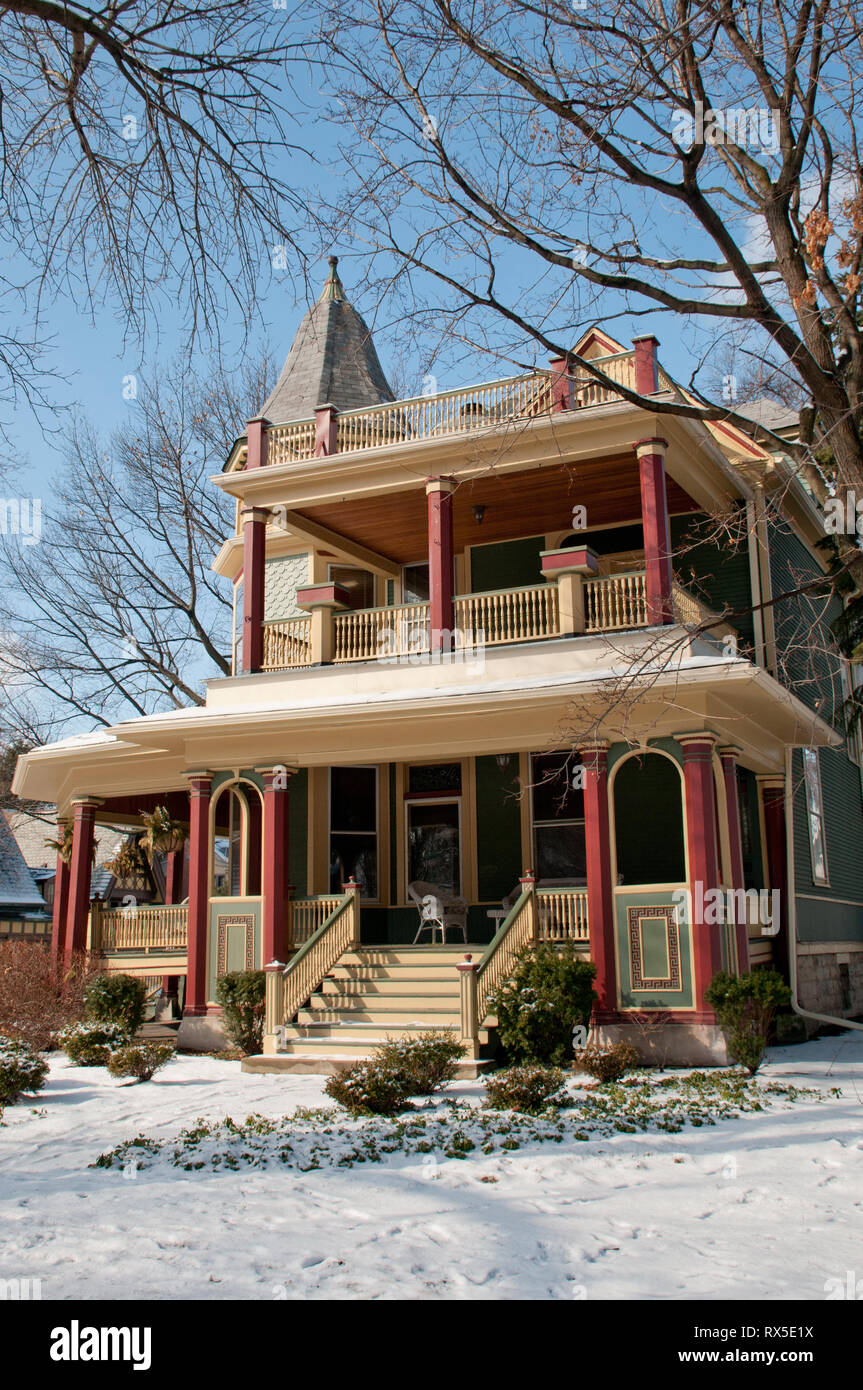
pixel 773 415
pixel 18 892
pixel 31 831
pixel 332 361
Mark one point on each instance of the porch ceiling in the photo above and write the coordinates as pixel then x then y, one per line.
pixel 517 504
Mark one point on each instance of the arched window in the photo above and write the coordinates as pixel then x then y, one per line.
pixel 236 858
pixel 648 820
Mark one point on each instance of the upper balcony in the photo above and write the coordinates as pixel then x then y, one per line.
pixel 566 606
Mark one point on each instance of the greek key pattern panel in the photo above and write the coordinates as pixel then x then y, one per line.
pixel 234 919
pixel 673 980
pixel 283 576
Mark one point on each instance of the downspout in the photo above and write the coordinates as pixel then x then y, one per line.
pixel 792 907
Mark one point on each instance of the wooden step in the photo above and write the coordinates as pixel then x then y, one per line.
pixel 382 985
pixel 365 1034
pixel 346 1017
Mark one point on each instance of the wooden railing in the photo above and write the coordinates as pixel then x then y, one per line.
pixel 152 928
pixel 367 633
pixel 308 914
pixel 448 412
pixel 562 914
pixel 620 366
pixel 615 601
pixel 514 933
pixel 287 643
pixel 492 403
pixel 693 612
pixel 290 988
pixel 508 615
pixel 290 443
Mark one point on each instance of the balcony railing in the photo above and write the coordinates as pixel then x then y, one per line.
pixel 157 927
pixel 490 405
pixel 612 603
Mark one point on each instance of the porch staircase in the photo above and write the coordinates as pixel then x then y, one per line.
pixel 371 994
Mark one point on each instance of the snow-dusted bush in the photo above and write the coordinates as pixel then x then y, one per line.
pixel 529 1089
pixel 549 993
pixel 140 1060
pixel 91 1044
pixel 745 1007
pixel 22 1070
pixel 608 1063
pixel 369 1089
pixel 242 995
pixel 423 1064
pixel 117 998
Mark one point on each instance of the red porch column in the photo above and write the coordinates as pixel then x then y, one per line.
pixel 728 757
pixel 439 492
pixel 199 897
pixel 254 556
pixel 646 366
pixel 78 905
pixel 256 442
pixel 326 430
pixel 702 840
pixel 277 887
pixel 562 384
pixel 773 802
pixel 175 875
pixel 657 538
pixel 600 895
pixel 61 903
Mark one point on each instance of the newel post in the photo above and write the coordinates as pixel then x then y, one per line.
pixel 274 1007
pixel 469 1004
pixel 570 568
pixel 352 888
pixel 528 885
pixel 326 430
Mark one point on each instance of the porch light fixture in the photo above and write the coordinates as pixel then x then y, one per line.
pixel 503 760
pixel 478 514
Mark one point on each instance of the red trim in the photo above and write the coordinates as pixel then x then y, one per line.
pixel 600 897
pixel 199 898
pixel 78 906
pixel 702 843
pixel 256 444
pixel 657 538
pixel 440 539
pixel 562 384
pixel 646 366
pixel 277 889
pixel 326 431
pixel 254 555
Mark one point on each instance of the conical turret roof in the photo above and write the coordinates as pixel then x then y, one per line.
pixel 332 361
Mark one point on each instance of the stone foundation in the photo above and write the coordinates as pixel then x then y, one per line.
pixel 831 982
pixel 674 1044
pixel 203 1034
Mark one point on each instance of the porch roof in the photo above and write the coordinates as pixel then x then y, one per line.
pixel 370 715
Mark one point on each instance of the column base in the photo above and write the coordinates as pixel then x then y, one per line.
pixel 673 1043
pixel 202 1032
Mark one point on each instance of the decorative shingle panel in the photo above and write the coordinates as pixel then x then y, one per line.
pixel 283 576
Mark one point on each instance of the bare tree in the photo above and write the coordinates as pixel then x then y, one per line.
pixel 140 149
pixel 530 165
pixel 116 612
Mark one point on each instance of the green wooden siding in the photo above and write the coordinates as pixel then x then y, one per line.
pixel 808 662
pixel 498 828
pixel 717 573
pixel 843 817
pixel 508 565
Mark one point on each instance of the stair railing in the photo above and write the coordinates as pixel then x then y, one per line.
pixel 290 986
pixel 478 980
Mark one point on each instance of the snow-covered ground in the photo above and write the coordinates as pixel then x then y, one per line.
pixel 765 1206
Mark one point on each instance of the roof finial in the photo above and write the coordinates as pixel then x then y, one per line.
pixel 333 287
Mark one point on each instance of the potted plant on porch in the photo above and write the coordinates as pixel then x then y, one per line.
pixel 162 834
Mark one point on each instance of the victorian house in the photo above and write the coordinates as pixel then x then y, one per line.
pixel 513 662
